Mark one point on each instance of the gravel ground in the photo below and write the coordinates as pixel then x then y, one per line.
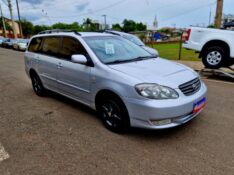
pixel 57 136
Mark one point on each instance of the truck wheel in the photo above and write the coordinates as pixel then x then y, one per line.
pixel 214 57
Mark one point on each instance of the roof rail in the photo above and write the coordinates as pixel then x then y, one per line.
pixel 58 31
pixel 111 32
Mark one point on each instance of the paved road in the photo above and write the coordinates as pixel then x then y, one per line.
pixel 56 136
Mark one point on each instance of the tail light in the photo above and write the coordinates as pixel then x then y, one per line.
pixel 188 34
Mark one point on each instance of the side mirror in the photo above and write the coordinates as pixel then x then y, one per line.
pixel 81 59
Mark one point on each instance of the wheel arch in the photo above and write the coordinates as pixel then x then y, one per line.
pixel 104 92
pixel 33 72
pixel 214 43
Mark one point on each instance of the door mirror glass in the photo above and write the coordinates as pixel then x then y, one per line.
pixel 81 59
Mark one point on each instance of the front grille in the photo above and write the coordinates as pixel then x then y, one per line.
pixel 191 87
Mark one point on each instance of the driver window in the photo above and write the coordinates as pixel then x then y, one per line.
pixel 71 47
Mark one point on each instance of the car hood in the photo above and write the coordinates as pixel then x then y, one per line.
pixel 152 51
pixel 22 44
pixel 159 71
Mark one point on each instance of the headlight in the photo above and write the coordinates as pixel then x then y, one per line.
pixel 154 91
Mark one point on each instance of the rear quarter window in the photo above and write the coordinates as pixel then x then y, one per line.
pixel 35 45
pixel 50 46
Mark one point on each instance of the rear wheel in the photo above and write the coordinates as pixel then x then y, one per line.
pixel 113 113
pixel 37 85
pixel 214 57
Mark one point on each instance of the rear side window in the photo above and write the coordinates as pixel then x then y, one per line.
pixel 35 44
pixel 50 46
pixel 71 47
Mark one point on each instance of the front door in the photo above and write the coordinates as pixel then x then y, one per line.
pixel 73 78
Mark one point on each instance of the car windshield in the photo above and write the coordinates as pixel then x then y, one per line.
pixel 113 50
pixel 22 41
pixel 134 39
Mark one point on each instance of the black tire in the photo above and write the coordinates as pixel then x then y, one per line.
pixel 37 85
pixel 214 57
pixel 113 113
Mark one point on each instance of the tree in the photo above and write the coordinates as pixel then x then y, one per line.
pixel 27 27
pixel 8 27
pixel 211 26
pixel 129 25
pixel 116 27
pixel 37 29
pixel 75 26
pixel 140 27
pixel 60 26
pixel 89 25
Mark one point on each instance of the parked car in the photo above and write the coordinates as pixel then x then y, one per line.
pixel 125 84
pixel 216 47
pixel 8 43
pixel 228 24
pixel 135 40
pixel 20 44
pixel 1 40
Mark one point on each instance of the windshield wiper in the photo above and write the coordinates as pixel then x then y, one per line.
pixel 140 58
pixel 119 61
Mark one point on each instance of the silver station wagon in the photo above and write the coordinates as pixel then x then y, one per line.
pixel 125 84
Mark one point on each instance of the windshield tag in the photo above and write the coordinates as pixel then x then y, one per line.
pixel 110 50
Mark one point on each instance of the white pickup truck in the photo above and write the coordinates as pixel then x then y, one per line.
pixel 216 46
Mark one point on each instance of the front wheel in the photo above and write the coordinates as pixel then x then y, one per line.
pixel 214 57
pixel 113 113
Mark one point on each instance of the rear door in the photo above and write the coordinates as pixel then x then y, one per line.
pixel 73 78
pixel 48 61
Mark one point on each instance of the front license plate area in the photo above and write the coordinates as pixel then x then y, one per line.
pixel 198 106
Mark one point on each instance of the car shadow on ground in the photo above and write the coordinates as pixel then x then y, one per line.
pixel 135 132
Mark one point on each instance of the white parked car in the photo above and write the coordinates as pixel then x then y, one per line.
pixel 1 40
pixel 135 40
pixel 20 44
pixel 216 46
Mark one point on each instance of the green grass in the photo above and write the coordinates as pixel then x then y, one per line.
pixel 171 52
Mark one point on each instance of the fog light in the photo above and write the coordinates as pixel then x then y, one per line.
pixel 161 122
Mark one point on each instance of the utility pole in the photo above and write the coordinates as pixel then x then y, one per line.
pixel 210 16
pixel 12 18
pixel 219 13
pixel 20 24
pixel 104 21
pixel 3 22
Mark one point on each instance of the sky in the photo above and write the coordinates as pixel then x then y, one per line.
pixel 179 13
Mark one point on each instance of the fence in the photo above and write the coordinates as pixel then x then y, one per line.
pixel 174 51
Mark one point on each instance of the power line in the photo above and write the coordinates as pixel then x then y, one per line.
pixel 98 10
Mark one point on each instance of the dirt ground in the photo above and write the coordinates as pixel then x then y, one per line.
pixel 57 136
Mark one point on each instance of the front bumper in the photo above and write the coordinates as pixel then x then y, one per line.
pixel 22 48
pixel 143 113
